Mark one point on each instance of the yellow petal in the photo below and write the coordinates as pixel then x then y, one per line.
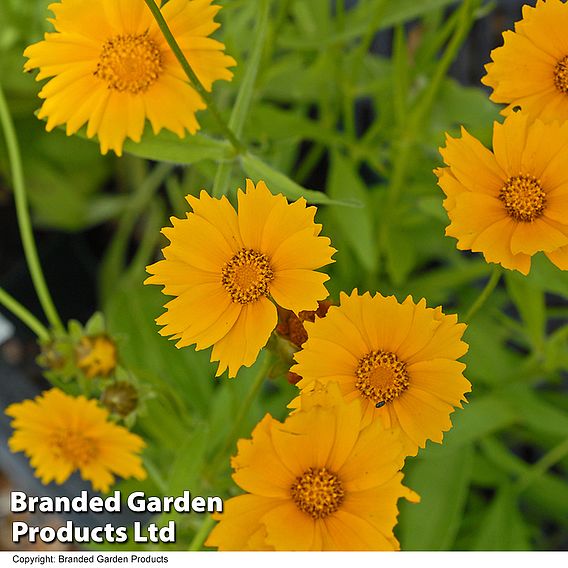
pixel 299 290
pixel 559 257
pixel 529 238
pixel 241 346
pixel 240 520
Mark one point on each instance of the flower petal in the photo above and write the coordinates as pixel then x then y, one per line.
pixel 242 344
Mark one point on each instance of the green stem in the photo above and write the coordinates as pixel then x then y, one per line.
pixel 243 412
pixel 24 222
pixel 283 7
pixel 222 178
pixel 358 59
pixel 244 97
pixel 489 287
pixel 113 263
pixel 367 39
pixel 155 475
pixel 309 162
pixel 542 465
pixel 23 314
pixel 422 108
pixel 193 79
pixel 202 533
pixel 340 14
pixel 238 423
pixel 149 240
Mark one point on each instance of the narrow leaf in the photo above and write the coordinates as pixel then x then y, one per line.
pixel 502 527
pixel 168 147
pixel 442 484
pixel 356 224
pixel 256 169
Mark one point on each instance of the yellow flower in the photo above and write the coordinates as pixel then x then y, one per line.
pixel 513 202
pixel 96 356
pixel 530 70
pixel 61 434
pixel 223 267
pixel 112 68
pixel 399 360
pixel 318 481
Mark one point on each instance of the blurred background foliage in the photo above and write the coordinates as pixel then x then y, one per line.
pixel 352 100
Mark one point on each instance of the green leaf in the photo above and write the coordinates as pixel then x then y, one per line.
pixel 186 468
pixel 443 485
pixel 479 418
pixel 432 206
pixel 244 97
pixel 258 170
pixel 485 474
pixel 183 373
pixel 488 359
pixel 546 496
pixel 243 102
pixel 555 350
pixel 502 527
pixel 357 23
pixel 466 106
pixel 168 147
pixel 435 283
pixel 529 301
pixel 60 193
pixel 548 276
pixel 538 415
pixel 273 123
pixel 293 79
pixel 356 224
pixel 401 250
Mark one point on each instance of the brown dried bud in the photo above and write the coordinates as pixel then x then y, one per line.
pixel 51 356
pixel 120 398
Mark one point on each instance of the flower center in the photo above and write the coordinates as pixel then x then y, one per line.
pixel 561 75
pixel 129 63
pixel 523 197
pixel 74 448
pixel 318 492
pixel 246 276
pixel 381 376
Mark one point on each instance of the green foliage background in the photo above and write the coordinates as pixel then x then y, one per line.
pixel 499 480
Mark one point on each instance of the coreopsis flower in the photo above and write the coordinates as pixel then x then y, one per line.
pixel 61 434
pixel 513 202
pixel 398 359
pixel 318 481
pixel 226 267
pixel 96 356
pixel 111 68
pixel 530 69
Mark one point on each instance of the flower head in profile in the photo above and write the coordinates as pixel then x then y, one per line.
pixel 530 69
pixel 96 356
pixel 318 481
pixel 226 268
pixel 111 68
pixel 399 360
pixel 61 434
pixel 513 202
